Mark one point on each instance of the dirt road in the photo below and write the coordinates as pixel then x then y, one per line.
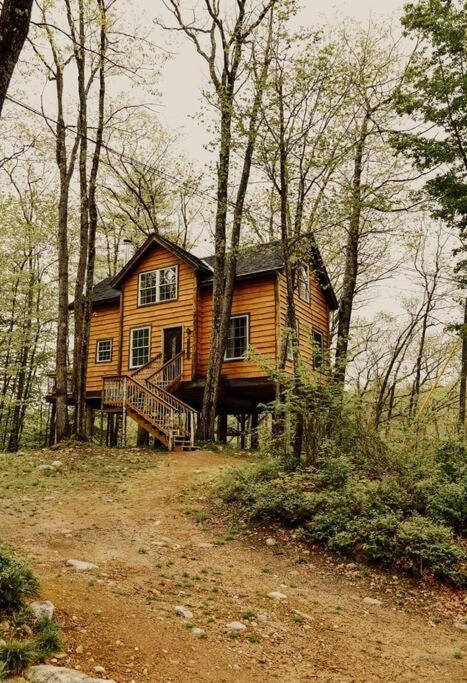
pixel 141 519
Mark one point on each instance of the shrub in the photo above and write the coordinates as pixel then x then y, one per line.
pixel 17 655
pixel 17 582
pixel 48 639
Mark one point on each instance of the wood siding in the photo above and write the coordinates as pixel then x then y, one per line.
pixel 179 312
pixel 255 298
pixel 313 315
pixel 105 324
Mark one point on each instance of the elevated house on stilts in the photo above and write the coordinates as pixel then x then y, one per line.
pixel 150 338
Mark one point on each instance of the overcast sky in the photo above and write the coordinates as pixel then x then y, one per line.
pixel 184 74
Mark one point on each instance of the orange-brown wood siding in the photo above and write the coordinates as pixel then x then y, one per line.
pixel 256 298
pixel 181 311
pixel 104 325
pixel 311 316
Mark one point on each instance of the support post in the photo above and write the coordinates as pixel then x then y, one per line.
pixel 89 421
pixel 242 431
pixel 254 434
pixel 124 414
pixel 222 428
pixel 142 437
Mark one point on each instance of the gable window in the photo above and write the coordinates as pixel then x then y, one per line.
pixel 238 339
pixel 318 350
pixel 140 346
pixel 290 341
pixel 156 286
pixel 304 282
pixel 104 351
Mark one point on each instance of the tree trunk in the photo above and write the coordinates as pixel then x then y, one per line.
pixel 463 375
pixel 15 17
pixel 222 428
pixel 351 266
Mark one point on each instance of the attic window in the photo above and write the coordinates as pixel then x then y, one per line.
pixel 156 286
pixel 304 282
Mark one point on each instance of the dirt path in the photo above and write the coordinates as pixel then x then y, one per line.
pixel 145 530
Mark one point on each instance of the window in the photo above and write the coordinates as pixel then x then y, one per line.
pixel 318 350
pixel 157 285
pixel 104 351
pixel 140 345
pixel 237 341
pixel 304 281
pixel 289 340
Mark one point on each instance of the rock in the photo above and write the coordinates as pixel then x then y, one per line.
pixel 205 545
pixel 460 625
pixel 81 566
pixel 44 673
pixel 372 601
pixel 303 615
pixel 235 626
pixel 183 612
pixel 262 616
pixel 79 650
pixel 46 468
pixel 277 595
pixel 428 657
pixel 271 541
pixel 198 631
pixel 42 609
pixel 57 463
pixel 99 670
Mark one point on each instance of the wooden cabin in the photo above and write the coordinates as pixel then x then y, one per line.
pixel 151 328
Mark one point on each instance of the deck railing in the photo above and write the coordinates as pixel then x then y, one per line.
pixel 168 373
pixel 52 384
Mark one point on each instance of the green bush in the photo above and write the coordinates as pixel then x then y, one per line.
pixel 17 655
pixel 17 582
pixel 48 639
pixel 405 515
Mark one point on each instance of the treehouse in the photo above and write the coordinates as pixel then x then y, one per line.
pixel 151 327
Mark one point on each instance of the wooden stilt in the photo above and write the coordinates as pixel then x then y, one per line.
pixel 254 434
pixel 222 428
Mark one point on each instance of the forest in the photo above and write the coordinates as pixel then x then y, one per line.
pixel 346 135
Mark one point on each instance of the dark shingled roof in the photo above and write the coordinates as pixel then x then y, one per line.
pixel 261 258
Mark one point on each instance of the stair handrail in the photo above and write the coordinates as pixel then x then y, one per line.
pixel 161 369
pixel 144 367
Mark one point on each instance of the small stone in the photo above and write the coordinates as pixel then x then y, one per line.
pixel 460 625
pixel 205 545
pixel 99 670
pixel 262 616
pixel 235 626
pixel 45 673
pixel 372 601
pixel 81 566
pixel 42 609
pixel 277 595
pixel 271 541
pixel 198 631
pixel 303 615
pixel 46 468
pixel 57 463
pixel 183 612
pixel 79 650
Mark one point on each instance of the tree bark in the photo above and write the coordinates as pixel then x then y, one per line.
pixel 15 18
pixel 463 375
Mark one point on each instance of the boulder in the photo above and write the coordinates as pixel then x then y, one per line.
pixel 81 566
pixel 42 609
pixel 45 673
pixel 183 612
pixel 235 626
pixel 277 595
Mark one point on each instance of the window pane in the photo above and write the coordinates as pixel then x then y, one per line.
pixel 168 284
pixel 148 288
pixel 139 346
pixel 104 350
pixel 238 337
pixel 318 350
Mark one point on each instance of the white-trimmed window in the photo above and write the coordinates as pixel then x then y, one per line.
pixel 140 346
pixel 318 350
pixel 104 350
pixel 304 282
pixel 156 286
pixel 238 339
pixel 291 341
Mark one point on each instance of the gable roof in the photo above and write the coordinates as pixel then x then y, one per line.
pixel 185 255
pixel 256 260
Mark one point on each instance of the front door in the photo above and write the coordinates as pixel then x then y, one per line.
pixel 172 342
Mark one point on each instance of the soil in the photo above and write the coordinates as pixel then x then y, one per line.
pixel 141 517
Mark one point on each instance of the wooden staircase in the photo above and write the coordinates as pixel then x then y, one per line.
pixel 145 396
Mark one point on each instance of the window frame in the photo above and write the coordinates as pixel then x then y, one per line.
pixel 158 271
pixel 130 354
pixel 239 315
pixel 302 282
pixel 320 367
pixel 98 342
